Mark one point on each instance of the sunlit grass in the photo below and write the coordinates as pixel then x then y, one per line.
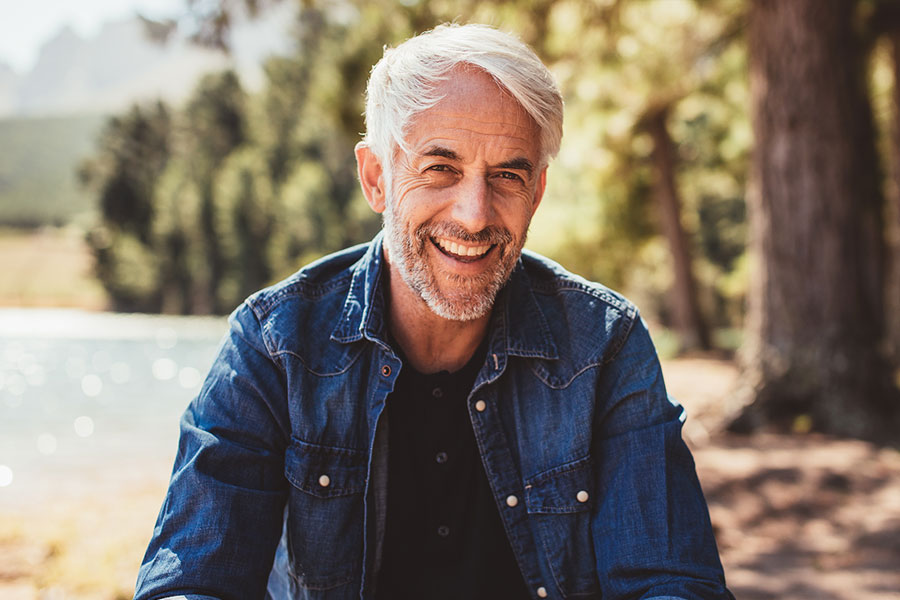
pixel 48 267
pixel 83 548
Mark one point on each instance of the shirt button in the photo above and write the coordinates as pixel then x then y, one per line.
pixel 386 370
pixel 440 458
pixel 480 406
pixel 582 496
pixel 437 393
pixel 511 501
pixel 542 592
pixel 443 531
pixel 324 480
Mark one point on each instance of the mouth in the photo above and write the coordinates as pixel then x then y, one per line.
pixel 462 252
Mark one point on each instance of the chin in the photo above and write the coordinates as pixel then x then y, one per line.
pixel 461 307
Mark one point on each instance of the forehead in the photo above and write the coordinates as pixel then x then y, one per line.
pixel 474 109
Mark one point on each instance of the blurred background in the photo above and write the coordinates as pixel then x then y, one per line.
pixel 733 166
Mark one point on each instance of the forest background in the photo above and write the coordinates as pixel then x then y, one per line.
pixel 730 165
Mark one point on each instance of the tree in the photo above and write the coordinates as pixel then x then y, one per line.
pixel 215 117
pixel 134 150
pixel 885 28
pixel 816 322
pixel 687 318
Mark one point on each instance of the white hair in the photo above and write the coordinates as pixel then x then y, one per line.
pixel 403 83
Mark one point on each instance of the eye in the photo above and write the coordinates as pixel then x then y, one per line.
pixel 510 176
pixel 440 168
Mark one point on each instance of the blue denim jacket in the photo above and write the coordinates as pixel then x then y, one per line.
pixel 279 452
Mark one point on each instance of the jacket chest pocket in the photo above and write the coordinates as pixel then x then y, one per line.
pixel 559 506
pixel 325 515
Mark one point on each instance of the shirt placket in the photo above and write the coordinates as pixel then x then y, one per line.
pixel 506 483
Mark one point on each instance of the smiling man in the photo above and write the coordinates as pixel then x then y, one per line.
pixel 438 414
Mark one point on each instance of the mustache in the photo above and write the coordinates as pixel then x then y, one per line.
pixel 491 234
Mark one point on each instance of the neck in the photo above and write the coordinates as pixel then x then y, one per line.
pixel 431 343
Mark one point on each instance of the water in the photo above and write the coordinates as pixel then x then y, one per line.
pixel 83 391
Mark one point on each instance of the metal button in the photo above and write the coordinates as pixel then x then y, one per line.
pixel 511 501
pixel 324 480
pixel 443 531
pixel 437 393
pixel 440 458
pixel 582 496
pixel 542 592
pixel 386 370
pixel 480 406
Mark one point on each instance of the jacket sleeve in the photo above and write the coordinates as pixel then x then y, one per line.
pixel 651 529
pixel 222 517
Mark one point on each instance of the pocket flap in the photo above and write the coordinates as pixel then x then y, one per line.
pixel 564 489
pixel 325 471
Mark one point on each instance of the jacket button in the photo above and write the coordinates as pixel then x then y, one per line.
pixel 542 592
pixel 324 480
pixel 386 370
pixel 582 496
pixel 511 501
pixel 480 406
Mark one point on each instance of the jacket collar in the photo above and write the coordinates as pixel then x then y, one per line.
pixel 364 311
pixel 524 327
pixel 518 326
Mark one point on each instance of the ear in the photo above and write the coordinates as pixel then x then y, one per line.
pixel 539 190
pixel 371 177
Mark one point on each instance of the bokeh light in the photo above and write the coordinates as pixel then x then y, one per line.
pixel 84 426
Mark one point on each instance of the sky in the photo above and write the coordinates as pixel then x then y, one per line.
pixel 26 24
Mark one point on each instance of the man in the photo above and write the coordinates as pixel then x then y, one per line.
pixel 437 414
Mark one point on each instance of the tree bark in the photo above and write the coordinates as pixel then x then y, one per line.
pixel 892 297
pixel 686 316
pixel 816 312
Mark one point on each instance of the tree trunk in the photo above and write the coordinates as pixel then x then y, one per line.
pixel 814 353
pixel 892 297
pixel 686 315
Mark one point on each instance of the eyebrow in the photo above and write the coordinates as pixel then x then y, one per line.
pixel 520 163
pixel 443 152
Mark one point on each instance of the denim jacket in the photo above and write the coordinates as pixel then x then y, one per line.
pixel 284 449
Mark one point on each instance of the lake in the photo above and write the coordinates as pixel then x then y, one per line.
pixel 82 392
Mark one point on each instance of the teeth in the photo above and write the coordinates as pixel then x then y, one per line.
pixel 461 250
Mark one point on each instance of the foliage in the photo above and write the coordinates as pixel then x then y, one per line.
pixel 134 151
pixel 630 60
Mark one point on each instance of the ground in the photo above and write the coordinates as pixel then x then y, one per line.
pixel 795 516
pixel 802 517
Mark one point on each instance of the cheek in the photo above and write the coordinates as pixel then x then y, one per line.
pixel 405 184
pixel 407 192
pixel 411 202
pixel 517 212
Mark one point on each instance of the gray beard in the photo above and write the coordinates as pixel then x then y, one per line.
pixel 472 297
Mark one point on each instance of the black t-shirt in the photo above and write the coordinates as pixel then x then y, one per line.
pixel 444 537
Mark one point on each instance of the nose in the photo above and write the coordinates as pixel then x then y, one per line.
pixel 472 207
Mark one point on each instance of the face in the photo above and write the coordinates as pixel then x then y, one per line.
pixel 458 205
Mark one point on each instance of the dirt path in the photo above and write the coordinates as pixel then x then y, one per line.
pixel 804 518
pixel 796 517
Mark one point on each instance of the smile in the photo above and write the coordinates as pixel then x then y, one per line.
pixel 461 251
